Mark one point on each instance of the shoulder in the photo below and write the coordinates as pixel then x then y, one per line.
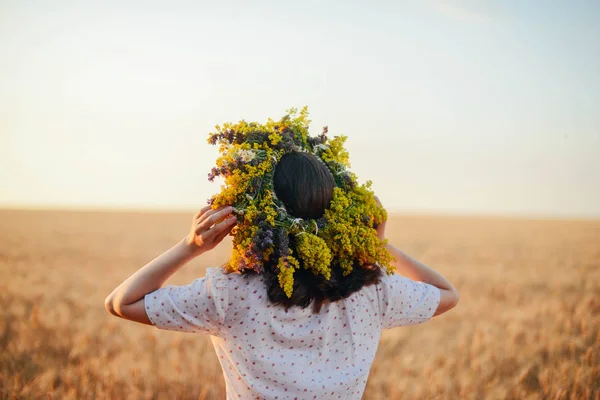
pixel 217 274
pixel 402 288
pixel 394 279
pixel 222 278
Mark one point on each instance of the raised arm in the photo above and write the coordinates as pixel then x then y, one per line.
pixel 127 300
pixel 417 271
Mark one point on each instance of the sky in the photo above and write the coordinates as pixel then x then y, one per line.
pixel 467 107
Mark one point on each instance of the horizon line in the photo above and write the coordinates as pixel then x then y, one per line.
pixel 406 212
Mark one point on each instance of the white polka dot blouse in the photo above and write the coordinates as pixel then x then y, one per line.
pixel 267 352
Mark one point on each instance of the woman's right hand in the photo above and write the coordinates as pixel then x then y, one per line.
pixel 380 228
pixel 209 228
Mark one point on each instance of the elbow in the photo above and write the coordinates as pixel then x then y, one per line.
pixel 456 298
pixel 451 299
pixel 448 300
pixel 109 304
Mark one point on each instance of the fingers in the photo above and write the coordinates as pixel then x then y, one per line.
pixel 202 211
pixel 209 212
pixel 223 229
pixel 218 232
pixel 211 217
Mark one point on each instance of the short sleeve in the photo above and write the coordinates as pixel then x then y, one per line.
pixel 198 307
pixel 405 302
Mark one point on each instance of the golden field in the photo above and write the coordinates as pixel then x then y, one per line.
pixel 527 325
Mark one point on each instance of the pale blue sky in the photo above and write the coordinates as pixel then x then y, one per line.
pixel 450 106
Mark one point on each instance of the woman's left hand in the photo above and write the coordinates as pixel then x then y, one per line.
pixel 209 228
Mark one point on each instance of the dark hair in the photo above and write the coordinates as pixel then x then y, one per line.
pixel 305 185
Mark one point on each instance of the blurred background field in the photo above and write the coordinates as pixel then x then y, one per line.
pixel 451 107
pixel 527 325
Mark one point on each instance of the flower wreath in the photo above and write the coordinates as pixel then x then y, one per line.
pixel 249 152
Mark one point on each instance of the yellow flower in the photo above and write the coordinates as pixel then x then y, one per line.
pixel 336 151
pixel 275 138
pixel 314 253
pixel 287 265
pixel 249 152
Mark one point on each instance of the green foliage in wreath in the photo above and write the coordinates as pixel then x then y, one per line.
pixel 249 152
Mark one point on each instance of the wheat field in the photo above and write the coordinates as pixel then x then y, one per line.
pixel 527 325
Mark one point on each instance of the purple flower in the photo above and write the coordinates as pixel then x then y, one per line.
pixel 214 172
pixel 348 181
pixel 282 242
pixel 263 225
pixel 317 140
pixel 322 222
pixel 212 139
pixel 259 137
pixel 229 135
pixel 286 144
pixel 262 240
pixel 266 243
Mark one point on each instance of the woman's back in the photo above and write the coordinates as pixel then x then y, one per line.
pixel 267 351
pixel 302 314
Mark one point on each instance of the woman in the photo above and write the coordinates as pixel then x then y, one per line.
pixel 271 345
